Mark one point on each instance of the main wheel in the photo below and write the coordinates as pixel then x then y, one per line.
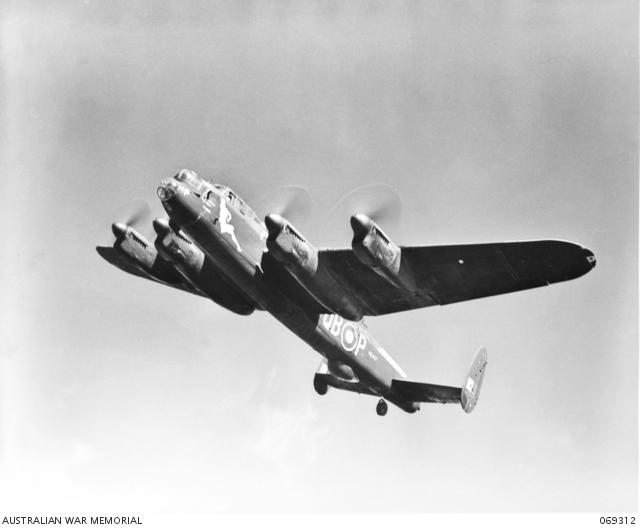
pixel 381 408
pixel 320 386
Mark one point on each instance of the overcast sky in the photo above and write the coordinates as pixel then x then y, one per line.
pixel 497 120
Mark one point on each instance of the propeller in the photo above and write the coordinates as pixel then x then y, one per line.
pixel 292 202
pixel 379 201
pixel 134 215
pixel 138 211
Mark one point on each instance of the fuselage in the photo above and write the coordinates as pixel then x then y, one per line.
pixel 224 227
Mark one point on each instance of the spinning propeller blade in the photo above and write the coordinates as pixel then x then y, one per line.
pixel 292 202
pixel 133 215
pixel 379 201
pixel 136 213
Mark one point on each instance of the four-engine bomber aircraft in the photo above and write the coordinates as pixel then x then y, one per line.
pixel 215 246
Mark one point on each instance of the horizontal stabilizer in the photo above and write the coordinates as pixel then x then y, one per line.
pixel 427 392
pixel 467 395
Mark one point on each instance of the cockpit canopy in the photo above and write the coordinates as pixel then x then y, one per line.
pixel 189 177
pixel 238 203
pixel 206 189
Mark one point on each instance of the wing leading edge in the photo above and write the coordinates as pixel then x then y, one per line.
pixel 450 274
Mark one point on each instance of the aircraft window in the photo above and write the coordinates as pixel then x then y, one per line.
pixel 242 207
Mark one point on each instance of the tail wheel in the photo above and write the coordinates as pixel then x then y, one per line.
pixel 381 408
pixel 320 386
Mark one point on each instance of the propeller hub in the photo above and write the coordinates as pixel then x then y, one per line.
pixel 275 224
pixel 361 224
pixel 119 230
pixel 161 226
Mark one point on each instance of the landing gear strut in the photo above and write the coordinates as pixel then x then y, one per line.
pixel 381 408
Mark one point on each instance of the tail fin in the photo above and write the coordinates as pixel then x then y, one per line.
pixel 467 395
pixel 473 382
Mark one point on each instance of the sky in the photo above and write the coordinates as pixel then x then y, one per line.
pixel 495 121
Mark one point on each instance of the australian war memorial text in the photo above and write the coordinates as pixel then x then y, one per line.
pixel 28 520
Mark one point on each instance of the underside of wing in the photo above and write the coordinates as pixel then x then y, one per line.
pixel 449 274
pixel 120 261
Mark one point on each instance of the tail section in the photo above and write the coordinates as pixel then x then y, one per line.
pixel 473 382
pixel 467 395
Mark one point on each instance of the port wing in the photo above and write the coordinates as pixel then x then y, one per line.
pixel 450 274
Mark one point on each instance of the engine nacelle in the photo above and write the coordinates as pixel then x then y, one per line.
pixel 289 247
pixel 372 247
pixel 198 269
pixel 300 258
pixel 143 254
pixel 178 249
pixel 375 250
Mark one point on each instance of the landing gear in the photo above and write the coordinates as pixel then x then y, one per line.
pixel 381 408
pixel 320 386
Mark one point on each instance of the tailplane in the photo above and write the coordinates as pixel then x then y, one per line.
pixel 467 395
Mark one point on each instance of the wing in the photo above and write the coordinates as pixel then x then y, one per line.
pixel 120 261
pixel 449 274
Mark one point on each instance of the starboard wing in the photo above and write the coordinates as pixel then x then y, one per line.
pixel 455 273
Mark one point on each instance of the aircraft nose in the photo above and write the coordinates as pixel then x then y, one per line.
pixel 167 190
pixel 179 202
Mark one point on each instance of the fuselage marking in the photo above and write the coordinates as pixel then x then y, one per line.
pixel 225 224
pixel 350 339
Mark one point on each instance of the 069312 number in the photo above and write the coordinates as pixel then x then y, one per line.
pixel 617 520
